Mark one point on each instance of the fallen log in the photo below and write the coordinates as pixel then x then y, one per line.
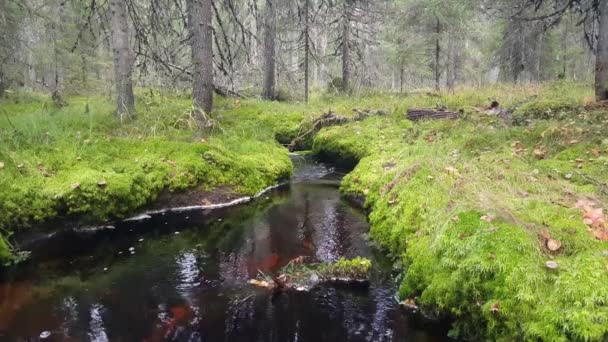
pixel 421 114
pixel 296 276
pixel 366 113
pixel 325 120
pixel 331 119
pixel 225 92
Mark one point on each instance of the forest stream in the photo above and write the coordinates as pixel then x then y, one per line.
pixel 184 276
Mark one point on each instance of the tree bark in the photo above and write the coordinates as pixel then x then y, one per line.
pixel 346 47
pixel 268 91
pixel 306 50
pixel 401 77
pixel 2 84
pixel 200 24
pixel 601 62
pixel 437 54
pixel 125 100
pixel 451 62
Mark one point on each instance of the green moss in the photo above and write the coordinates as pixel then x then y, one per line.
pixel 428 187
pixel 66 162
pixel 357 268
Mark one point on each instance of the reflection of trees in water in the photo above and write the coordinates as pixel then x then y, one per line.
pixel 332 236
pixel 305 228
pixel 326 314
pixel 196 296
pixel 97 331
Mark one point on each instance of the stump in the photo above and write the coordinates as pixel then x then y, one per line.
pixel 421 114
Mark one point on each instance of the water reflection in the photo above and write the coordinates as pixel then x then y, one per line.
pixel 97 331
pixel 193 286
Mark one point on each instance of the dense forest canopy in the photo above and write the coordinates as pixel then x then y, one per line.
pixel 286 49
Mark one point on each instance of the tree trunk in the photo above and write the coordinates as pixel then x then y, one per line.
pixel 306 50
pixel 451 62
pixel 125 100
pixel 539 57
pixel 200 24
pixel 437 54
pixel 346 47
pixel 401 77
pixel 268 91
pixel 601 62
pixel 2 84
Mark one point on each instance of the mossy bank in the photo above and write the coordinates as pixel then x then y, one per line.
pixel 490 223
pixel 81 162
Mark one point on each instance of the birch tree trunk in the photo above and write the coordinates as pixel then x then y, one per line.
pixel 200 21
pixel 125 100
pixel 268 91
pixel 601 62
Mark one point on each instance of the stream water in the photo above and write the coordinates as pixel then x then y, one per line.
pixel 184 276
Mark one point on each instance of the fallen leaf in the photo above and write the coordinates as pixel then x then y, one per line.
pixel 452 170
pixel 601 235
pixel 495 308
pixel 595 152
pixel 455 218
pixel 540 153
pixel 517 144
pixel 486 218
pixel 206 202
pixel 584 203
pixel 554 245
pixel 573 141
pixel 409 303
pixel 75 186
pixel 545 234
pixel 552 265
pixel 261 283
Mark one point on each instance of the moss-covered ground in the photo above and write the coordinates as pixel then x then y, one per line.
pixel 472 211
pixel 466 208
pixel 81 161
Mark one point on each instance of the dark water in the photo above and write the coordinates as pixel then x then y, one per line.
pixel 186 279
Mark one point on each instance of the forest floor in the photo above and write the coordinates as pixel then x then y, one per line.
pixel 496 225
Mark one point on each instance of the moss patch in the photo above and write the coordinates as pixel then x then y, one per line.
pixel 464 206
pixel 87 165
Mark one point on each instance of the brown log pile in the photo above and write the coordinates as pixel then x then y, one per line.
pixel 415 114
